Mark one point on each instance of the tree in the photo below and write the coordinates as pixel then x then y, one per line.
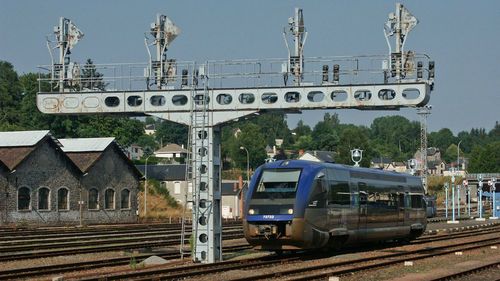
pixel 301 129
pixel 442 139
pixel 125 130
pixel 396 136
pixel 91 78
pixel 273 126
pixel 324 134
pixel 252 139
pixel 170 132
pixel 147 141
pixel 305 143
pixel 485 160
pixel 10 96
pixel 451 153
pixel 354 138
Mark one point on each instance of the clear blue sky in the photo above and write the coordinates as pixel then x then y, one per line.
pixel 463 38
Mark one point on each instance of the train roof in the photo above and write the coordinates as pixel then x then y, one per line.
pixel 320 165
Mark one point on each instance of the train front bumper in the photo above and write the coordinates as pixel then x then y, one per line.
pixel 294 234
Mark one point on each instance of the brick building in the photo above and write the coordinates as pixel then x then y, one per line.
pixel 41 184
pixel 109 181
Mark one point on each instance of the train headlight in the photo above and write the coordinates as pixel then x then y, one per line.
pixel 290 211
pixel 251 212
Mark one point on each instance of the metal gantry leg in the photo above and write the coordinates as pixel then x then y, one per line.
pixel 207 224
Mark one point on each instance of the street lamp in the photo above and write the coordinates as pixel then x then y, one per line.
pixel 458 155
pixel 248 164
pixel 358 154
pixel 480 202
pixel 412 163
pixel 446 187
pixel 493 181
pixel 146 187
pixel 452 170
pixel 81 202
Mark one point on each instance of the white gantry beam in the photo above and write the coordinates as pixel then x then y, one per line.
pixel 226 104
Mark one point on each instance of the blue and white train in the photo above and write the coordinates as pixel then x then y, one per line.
pixel 296 204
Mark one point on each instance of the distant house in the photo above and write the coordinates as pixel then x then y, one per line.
pixel 134 151
pixel 436 167
pixel 318 156
pixel 230 203
pixel 150 129
pixel 171 151
pixel 434 161
pixel 171 177
pixel 271 152
pixel 380 163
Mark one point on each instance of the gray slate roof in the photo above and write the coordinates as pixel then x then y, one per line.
pixel 324 156
pixel 24 138
pixel 85 144
pixel 165 172
pixel 227 188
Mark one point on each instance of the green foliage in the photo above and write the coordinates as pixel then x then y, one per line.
pixel 302 130
pixel 253 140
pixel 354 138
pixel 305 143
pixel 170 132
pixel 451 153
pixel 442 139
pixel 485 159
pixel 147 141
pixel 91 78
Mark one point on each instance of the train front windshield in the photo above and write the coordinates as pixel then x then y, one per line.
pixel 275 192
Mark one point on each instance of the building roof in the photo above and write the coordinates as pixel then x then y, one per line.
pixel 381 160
pixel 269 149
pixel 24 138
pixel 150 127
pixel 323 156
pixel 227 188
pixel 173 172
pixel 171 148
pixel 86 144
pixel 84 160
pixel 15 146
pixel 85 152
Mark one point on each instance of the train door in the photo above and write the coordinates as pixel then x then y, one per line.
pixel 401 207
pixel 316 211
pixel 363 205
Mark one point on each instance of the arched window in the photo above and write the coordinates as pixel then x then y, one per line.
pixel 23 198
pixel 62 199
pixel 109 199
pixel 93 199
pixel 43 198
pixel 125 199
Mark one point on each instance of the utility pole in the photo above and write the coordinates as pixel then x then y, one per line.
pixel 424 112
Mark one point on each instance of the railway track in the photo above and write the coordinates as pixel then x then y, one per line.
pixel 79 266
pixel 38 240
pixel 59 249
pixel 306 272
pixel 27 272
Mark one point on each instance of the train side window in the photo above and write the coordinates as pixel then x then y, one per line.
pixel 339 193
pixel 401 200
